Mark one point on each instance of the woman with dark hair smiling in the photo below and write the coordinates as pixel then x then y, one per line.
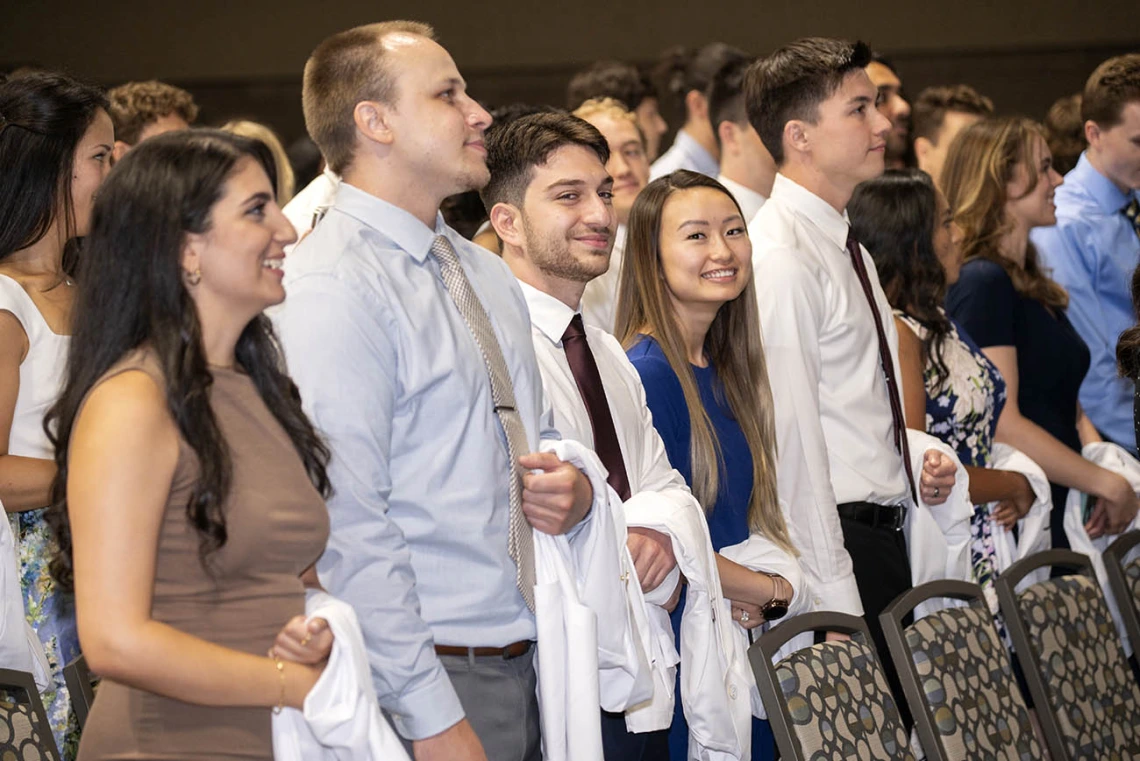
pixel 188 503
pixel 55 149
pixel 950 389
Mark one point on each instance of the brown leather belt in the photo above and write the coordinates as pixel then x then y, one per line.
pixel 513 650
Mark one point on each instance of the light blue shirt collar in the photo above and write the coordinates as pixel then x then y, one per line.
pixel 1101 189
pixel 397 224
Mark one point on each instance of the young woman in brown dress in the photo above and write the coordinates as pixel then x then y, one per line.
pixel 189 503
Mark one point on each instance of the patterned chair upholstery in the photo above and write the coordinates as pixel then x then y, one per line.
pixel 839 704
pixel 24 731
pixel 969 694
pixel 1123 577
pixel 1076 650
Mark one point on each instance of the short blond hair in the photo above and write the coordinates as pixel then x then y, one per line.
pixel 280 158
pixel 344 70
pixel 605 107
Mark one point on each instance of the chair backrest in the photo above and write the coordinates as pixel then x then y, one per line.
pixel 24 729
pixel 1086 696
pixel 957 678
pixel 829 700
pixel 81 687
pixel 1124 581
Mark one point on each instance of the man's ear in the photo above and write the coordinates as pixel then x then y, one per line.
pixel 696 105
pixel 797 137
pixel 729 135
pixel 373 121
pixel 507 220
pixel 118 150
pixel 922 149
pixel 1092 133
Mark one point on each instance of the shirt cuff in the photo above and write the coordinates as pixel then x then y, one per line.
pixel 840 595
pixel 429 710
pixel 661 593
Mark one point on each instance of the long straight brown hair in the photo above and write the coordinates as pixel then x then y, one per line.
pixel 980 164
pixel 733 346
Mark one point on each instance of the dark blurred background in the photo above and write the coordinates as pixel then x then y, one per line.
pixel 243 58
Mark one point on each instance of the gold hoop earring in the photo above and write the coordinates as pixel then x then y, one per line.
pixel 193 278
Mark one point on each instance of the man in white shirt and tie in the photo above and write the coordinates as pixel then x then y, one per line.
pixel 550 201
pixel 746 167
pixel 844 467
pixel 411 349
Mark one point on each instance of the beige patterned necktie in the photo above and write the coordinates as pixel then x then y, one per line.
pixel 520 541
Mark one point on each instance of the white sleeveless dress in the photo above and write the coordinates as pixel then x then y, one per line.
pixel 52 617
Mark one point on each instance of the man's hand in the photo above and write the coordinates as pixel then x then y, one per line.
pixel 458 743
pixel 557 499
pixel 652 554
pixel 937 478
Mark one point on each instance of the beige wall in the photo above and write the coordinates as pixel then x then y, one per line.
pixel 244 57
pixel 114 40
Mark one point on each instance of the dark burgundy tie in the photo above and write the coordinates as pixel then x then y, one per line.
pixel 589 381
pixel 884 360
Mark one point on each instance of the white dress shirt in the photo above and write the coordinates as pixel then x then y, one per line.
pixel 389 372
pixel 750 201
pixel 599 300
pixel 646 464
pixel 685 153
pixel 834 429
pixel 315 197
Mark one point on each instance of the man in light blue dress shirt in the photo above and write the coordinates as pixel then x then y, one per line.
pixel 1095 245
pixel 695 147
pixel 391 373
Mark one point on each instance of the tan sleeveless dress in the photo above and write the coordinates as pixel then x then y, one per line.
pixel 277 525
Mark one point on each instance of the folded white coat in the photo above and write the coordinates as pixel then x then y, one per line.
pixel 758 553
pixel 1033 530
pixel 1118 460
pixel 341 720
pixel 716 678
pixel 590 655
pixel 937 536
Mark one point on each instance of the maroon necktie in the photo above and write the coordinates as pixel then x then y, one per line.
pixel 589 381
pixel 885 360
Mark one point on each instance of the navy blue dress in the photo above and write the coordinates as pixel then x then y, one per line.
pixel 1052 358
pixel 728 520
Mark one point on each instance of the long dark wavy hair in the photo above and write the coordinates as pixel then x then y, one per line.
pixel 43 116
pixel 132 296
pixel 894 216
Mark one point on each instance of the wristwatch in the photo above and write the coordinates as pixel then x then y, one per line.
pixel 777 607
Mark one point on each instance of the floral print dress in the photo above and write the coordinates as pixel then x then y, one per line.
pixel 962 410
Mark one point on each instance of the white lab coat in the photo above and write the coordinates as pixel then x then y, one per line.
pixel 1033 530
pixel 937 536
pixel 716 679
pixel 1118 460
pixel 341 719
pixel 758 553
pixel 590 654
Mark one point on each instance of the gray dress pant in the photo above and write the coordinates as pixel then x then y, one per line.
pixel 499 698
